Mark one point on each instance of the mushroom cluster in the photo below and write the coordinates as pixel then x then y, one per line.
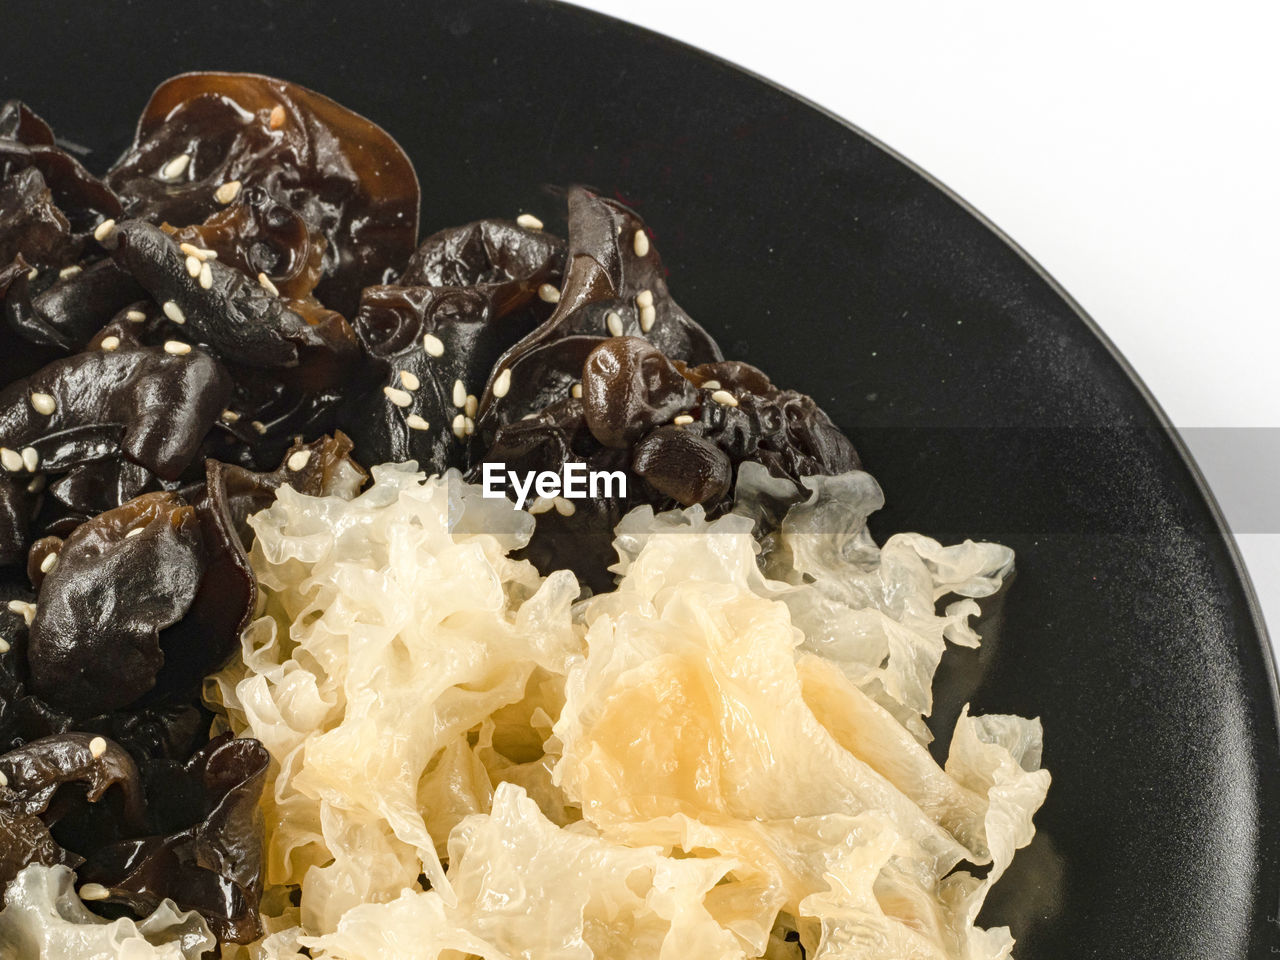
pixel 241 302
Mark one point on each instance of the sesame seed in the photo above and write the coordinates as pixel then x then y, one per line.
pixel 468 426
pixel 540 505
pixel 135 316
pixel 97 746
pixel 134 532
pixel 227 192
pixel 298 460
pixel 175 168
pixel 549 293
pixel 110 343
pixel 49 562
pixel 641 243
pixel 576 391
pixel 258 426
pixel 43 403
pixel 725 397
pixel 565 507
pixel 711 385
pixel 276 120
pixel 410 380
pixel 4 648
pixel 26 610
pixel 265 282
pixel 103 230
pixel 206 276
pixel 11 460
pixel 30 459
pixel 472 405
pixel 230 416
pixel 459 426
pixel 177 348
pixel 173 311
pixel 530 416
pixel 459 394
pixel 415 422
pixel 191 250
pixel 682 420
pixel 644 299
pixel 399 397
pixel 33 273
pixel 193 266
pixel 67 272
pixel 648 315
pixel 503 383
pixel 614 323
pixel 94 891
pixel 529 221
pixel 433 345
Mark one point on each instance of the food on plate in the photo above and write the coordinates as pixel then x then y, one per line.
pixel 281 677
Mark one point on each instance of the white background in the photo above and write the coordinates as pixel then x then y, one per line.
pixel 1132 148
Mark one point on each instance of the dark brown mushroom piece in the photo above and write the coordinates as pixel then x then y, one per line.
pixel 266 240
pixel 20 355
pixel 190 832
pixel 23 716
pixel 632 391
pixel 221 604
pixel 82 199
pixel 229 312
pixel 614 285
pixel 9 274
pixel 678 433
pixel 120 580
pixel 265 415
pixel 166 730
pixel 88 489
pixel 118 400
pixel 61 783
pixel 538 379
pixel 142 602
pixel 68 312
pixel 432 338
pixel 749 418
pixel 205 137
pixel 31 225
pixel 151 404
pixel 683 466
pixel 308 357
pixel 19 500
pixel 630 388
pixel 49 205
pixel 323 467
pixel 261 235
pixel 203 849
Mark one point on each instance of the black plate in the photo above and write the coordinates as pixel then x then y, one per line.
pixel 984 400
